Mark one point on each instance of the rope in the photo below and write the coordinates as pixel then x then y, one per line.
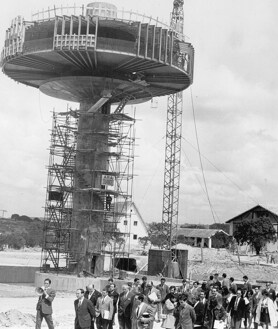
pixel 228 178
pixel 197 178
pixel 200 158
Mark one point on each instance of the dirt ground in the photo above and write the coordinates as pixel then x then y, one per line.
pixel 19 312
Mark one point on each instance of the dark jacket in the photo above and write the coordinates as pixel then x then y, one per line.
pixel 115 296
pixel 200 312
pixel 239 312
pixel 84 313
pixel 45 304
pixel 94 296
pixel 125 304
pixel 271 294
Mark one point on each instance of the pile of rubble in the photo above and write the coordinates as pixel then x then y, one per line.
pixel 14 318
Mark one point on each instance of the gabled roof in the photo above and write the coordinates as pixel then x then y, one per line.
pixel 258 207
pixel 124 207
pixel 198 233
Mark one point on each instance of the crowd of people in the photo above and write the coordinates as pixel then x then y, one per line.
pixel 215 303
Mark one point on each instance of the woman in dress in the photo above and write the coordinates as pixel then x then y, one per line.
pixel 265 313
pixel 248 309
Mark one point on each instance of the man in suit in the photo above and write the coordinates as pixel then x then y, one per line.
pixel 187 316
pixel 199 309
pixel 163 288
pixel 84 311
pixel 44 305
pixel 124 307
pixel 233 285
pixel 271 292
pixel 115 296
pixel 237 309
pixel 205 303
pixel 92 294
pixel 183 288
pixel 246 285
pixel 143 314
pixel 104 310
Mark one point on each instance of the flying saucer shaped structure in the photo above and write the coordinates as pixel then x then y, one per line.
pixel 77 57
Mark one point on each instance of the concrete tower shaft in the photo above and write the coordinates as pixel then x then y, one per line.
pixel 91 162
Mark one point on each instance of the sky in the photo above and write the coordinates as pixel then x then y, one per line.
pixel 234 97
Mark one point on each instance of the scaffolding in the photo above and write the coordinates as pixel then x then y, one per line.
pixel 121 165
pixel 109 201
pixel 58 206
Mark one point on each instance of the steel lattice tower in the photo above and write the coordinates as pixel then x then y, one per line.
pixel 173 145
pixel 172 168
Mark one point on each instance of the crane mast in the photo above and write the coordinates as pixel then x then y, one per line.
pixel 173 147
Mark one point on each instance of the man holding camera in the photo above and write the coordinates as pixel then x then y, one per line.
pixel 44 305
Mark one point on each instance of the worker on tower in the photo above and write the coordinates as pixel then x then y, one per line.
pixel 108 202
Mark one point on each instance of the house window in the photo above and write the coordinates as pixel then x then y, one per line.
pixel 135 223
pixel 125 222
pixel 134 236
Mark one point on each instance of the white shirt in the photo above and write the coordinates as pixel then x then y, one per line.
pixel 139 309
pixel 80 301
pixel 90 294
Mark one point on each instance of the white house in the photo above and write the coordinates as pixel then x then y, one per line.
pixel 133 227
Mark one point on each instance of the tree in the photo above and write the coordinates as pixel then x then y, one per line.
pixel 155 235
pixel 144 241
pixel 4 239
pixel 255 232
pixel 16 241
pixel 15 216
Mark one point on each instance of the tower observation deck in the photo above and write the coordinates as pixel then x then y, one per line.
pixel 97 56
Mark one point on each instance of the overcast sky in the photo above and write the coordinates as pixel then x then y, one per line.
pixel 235 100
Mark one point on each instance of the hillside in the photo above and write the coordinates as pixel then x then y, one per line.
pixel 20 232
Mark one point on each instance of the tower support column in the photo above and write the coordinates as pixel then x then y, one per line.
pixel 91 161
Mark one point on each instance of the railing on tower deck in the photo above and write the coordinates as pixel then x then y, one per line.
pixel 127 16
pixel 53 29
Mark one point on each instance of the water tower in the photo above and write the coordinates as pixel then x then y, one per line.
pixel 97 56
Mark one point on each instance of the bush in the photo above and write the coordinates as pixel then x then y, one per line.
pixel 16 241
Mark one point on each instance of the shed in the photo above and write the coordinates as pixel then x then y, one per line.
pixel 253 214
pixel 204 237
